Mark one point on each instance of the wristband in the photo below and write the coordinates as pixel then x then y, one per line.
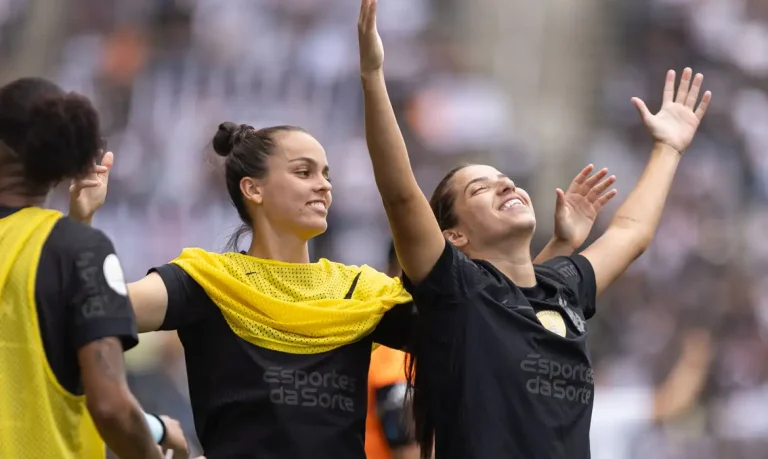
pixel 156 427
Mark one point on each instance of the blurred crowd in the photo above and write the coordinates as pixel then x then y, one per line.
pixel 694 307
pixel 679 343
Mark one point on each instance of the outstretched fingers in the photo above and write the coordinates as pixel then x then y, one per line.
pixel 367 14
pixel 693 94
pixel 669 88
pixel 602 200
pixel 596 178
pixel 583 175
pixel 685 85
pixel 597 191
pixel 645 114
pixel 703 105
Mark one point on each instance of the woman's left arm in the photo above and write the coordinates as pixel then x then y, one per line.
pixel 634 224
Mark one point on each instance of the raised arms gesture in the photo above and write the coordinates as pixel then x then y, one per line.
pixel 632 228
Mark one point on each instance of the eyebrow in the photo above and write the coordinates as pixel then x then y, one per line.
pixel 481 179
pixel 311 161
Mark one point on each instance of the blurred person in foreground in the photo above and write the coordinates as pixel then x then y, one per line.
pixel 500 365
pixel 388 430
pixel 65 318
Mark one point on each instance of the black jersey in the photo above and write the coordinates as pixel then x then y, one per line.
pixel 251 402
pixel 501 385
pixel 76 303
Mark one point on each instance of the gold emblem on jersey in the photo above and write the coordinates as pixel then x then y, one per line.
pixel 552 321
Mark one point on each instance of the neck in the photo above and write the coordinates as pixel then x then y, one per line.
pixel 15 191
pixel 280 246
pixel 512 258
pixel 10 198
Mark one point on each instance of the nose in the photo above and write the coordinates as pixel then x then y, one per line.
pixel 506 185
pixel 324 185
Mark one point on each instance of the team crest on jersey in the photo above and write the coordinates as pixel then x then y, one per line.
pixel 573 315
pixel 552 321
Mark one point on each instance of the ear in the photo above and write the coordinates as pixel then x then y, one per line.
pixel 251 190
pixel 456 237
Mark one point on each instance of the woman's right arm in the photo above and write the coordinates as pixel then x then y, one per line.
pixel 417 236
pixel 149 298
pixel 165 287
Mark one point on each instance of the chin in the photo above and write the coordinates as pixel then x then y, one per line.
pixel 314 229
pixel 523 227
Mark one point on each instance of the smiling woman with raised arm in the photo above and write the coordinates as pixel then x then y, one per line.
pixel 501 367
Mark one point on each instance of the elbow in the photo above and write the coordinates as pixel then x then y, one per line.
pixel 637 238
pixel 644 239
pixel 641 244
pixel 398 202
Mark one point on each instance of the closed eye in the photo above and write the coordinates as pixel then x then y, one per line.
pixel 478 190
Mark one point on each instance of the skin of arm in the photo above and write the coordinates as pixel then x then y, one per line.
pixel 634 224
pixel 632 228
pixel 114 410
pixel 554 248
pixel 149 298
pixel 419 242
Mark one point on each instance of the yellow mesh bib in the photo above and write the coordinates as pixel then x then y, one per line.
pixel 38 417
pixel 298 308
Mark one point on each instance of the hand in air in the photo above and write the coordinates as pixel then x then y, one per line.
pixel 577 207
pixel 371 48
pixel 677 121
pixel 87 195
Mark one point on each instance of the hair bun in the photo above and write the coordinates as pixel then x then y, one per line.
pixel 224 140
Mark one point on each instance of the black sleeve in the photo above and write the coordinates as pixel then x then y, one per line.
pixel 450 281
pixel 395 328
pixel 187 301
pixel 393 414
pixel 576 272
pixel 99 302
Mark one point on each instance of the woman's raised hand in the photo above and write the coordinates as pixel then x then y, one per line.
pixel 677 121
pixel 87 194
pixel 371 48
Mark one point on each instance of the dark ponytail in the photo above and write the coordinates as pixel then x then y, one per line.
pixel 55 135
pixel 419 369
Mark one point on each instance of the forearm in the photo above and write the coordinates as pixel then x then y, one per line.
pixel 554 248
pixel 126 433
pixel 389 155
pixel 640 213
pixel 680 391
pixel 417 236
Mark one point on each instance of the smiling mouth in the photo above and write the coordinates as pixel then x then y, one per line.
pixel 318 205
pixel 512 203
